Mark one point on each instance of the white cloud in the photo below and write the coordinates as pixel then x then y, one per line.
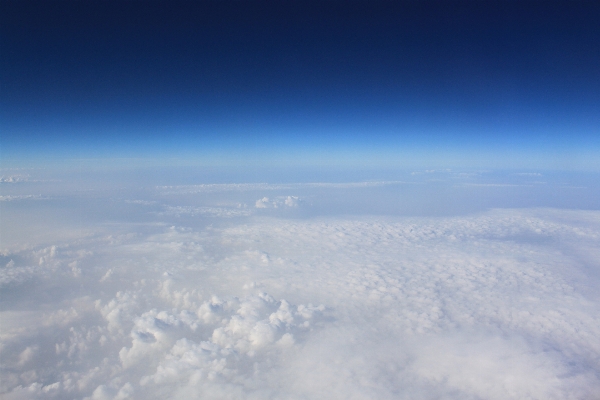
pixel 291 201
pixel 20 197
pixel 536 174
pixel 14 178
pixel 502 304
pixel 263 203
pixel 247 187
pixel 280 201
pixel 222 212
pixel 27 355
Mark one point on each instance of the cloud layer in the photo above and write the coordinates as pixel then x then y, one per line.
pixel 498 305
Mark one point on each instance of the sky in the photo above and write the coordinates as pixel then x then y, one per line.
pixel 299 200
pixel 500 84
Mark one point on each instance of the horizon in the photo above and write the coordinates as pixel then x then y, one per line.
pixel 299 200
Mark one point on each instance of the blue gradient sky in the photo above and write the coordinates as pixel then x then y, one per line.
pixel 451 84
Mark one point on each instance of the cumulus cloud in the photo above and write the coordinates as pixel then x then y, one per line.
pixel 280 201
pixel 14 178
pixel 500 305
pixel 263 203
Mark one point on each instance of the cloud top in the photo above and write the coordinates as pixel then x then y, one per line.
pixel 499 305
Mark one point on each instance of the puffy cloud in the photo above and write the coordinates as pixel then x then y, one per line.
pixel 291 201
pixel 252 332
pixel 14 178
pixel 263 203
pixel 280 201
pixel 119 311
pixel 501 304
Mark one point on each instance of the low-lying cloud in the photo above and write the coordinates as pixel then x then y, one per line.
pixel 498 305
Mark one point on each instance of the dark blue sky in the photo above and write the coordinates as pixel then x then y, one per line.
pixel 441 81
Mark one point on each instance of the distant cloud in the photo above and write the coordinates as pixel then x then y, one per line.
pixel 291 201
pixel 528 174
pixel 493 184
pixel 431 171
pixel 142 202
pixel 281 201
pixel 223 212
pixel 242 187
pixel 263 203
pixel 14 178
pixel 20 197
